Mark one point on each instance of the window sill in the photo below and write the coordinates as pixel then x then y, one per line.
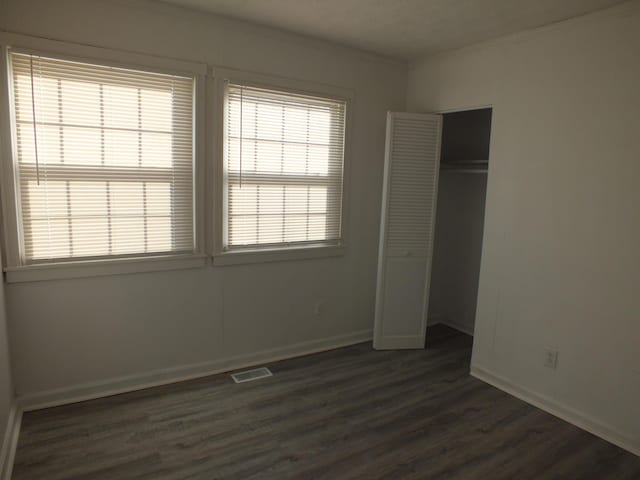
pixel 239 257
pixel 97 268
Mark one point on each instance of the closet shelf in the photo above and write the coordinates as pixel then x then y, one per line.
pixel 467 166
pixel 464 162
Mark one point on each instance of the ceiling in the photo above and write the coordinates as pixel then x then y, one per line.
pixel 401 28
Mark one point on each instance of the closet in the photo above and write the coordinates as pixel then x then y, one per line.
pixel 462 189
pixel 432 222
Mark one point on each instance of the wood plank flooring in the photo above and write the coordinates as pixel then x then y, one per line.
pixel 351 413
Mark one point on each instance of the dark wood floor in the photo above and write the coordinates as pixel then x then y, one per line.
pixel 346 414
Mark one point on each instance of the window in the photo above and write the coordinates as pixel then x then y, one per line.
pixel 284 156
pixel 103 160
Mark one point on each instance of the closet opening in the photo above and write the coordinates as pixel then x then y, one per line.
pixel 459 224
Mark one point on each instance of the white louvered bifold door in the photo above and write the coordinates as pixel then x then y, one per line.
pixel 407 229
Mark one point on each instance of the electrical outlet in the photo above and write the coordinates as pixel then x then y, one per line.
pixel 318 310
pixel 551 358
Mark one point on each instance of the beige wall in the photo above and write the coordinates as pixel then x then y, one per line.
pixel 78 333
pixel 561 262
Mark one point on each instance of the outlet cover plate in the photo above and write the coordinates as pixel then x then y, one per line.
pixel 551 358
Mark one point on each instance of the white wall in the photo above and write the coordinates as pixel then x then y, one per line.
pixel 69 333
pixel 561 256
pixel 6 386
pixel 457 249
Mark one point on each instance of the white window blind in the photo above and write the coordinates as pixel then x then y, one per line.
pixel 104 160
pixel 283 168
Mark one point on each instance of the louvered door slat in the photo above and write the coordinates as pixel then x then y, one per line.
pixel 407 226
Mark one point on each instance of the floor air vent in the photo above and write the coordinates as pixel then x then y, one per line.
pixel 250 375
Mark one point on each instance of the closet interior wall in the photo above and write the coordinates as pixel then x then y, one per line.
pixel 460 218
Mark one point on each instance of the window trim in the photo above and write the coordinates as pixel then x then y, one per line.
pixel 267 255
pixel 19 271
pixel 101 267
pixel 220 76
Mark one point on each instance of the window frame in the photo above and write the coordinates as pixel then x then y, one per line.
pixel 18 270
pixel 271 253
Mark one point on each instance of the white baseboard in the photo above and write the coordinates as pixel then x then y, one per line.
pixel 440 319
pixel 457 326
pixel 10 442
pixel 90 391
pixel 556 409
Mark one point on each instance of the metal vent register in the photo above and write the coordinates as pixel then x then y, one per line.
pixel 250 375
